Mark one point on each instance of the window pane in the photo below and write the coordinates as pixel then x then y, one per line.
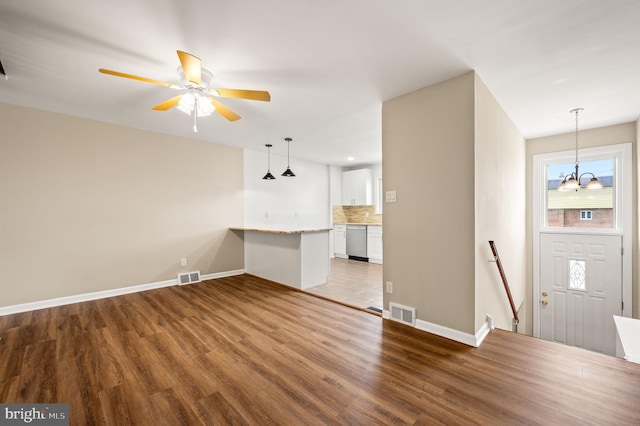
pixel 567 209
pixel 577 274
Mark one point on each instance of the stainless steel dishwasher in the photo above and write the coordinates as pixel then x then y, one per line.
pixel 357 242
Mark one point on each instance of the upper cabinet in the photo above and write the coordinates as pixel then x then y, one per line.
pixel 357 188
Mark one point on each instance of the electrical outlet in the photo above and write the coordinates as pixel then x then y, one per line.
pixel 389 287
pixel 183 261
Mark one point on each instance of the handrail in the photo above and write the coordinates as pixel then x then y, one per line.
pixel 494 250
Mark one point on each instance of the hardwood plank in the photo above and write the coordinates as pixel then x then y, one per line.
pixel 216 410
pixel 242 350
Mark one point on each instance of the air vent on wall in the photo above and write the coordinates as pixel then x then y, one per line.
pixel 403 314
pixel 189 278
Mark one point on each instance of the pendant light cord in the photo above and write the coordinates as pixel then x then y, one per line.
pixel 577 110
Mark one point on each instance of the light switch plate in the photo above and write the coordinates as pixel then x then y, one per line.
pixel 390 196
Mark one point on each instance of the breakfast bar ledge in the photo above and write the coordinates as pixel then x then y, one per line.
pixel 296 257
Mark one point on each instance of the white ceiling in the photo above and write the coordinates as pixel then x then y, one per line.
pixel 328 64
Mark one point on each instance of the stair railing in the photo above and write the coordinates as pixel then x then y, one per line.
pixel 516 320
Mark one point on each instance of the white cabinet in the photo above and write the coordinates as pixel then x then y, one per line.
pixel 374 243
pixel 357 188
pixel 340 240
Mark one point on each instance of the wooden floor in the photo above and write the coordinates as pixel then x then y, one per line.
pixel 353 282
pixel 242 350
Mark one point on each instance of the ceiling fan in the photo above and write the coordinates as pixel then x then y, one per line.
pixel 199 99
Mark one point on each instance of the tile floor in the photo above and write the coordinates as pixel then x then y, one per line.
pixel 353 282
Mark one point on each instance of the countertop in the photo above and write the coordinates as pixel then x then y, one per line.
pixel 282 231
pixel 357 223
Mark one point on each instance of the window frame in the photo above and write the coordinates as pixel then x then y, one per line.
pixel 619 153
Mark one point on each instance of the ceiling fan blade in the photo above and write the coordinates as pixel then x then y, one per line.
pixel 135 77
pixel 254 95
pixel 169 103
pixel 192 67
pixel 224 111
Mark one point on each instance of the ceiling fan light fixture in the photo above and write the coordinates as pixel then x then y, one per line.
pixel 187 103
pixel 205 107
pixel 191 101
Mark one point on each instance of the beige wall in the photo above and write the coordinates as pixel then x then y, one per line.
pixel 427 146
pixel 499 210
pixel 89 206
pixel 610 135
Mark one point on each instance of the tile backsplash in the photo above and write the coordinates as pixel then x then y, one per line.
pixel 356 214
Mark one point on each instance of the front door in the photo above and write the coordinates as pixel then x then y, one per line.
pixel 580 289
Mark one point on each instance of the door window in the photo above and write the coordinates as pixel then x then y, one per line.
pixel 577 275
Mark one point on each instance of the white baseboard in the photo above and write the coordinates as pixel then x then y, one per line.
pixel 59 301
pixel 224 274
pixel 450 333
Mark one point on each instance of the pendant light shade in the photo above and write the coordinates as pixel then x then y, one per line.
pixel 269 176
pixel 288 172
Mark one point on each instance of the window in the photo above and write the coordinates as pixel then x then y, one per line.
pixel 586 214
pixel 582 208
pixel 577 274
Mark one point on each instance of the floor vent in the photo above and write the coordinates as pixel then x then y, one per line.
pixel 403 314
pixel 189 278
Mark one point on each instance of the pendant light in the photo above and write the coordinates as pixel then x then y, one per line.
pixel 571 182
pixel 269 176
pixel 288 172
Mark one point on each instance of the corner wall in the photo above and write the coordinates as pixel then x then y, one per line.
pixel 90 206
pixel 500 210
pixel 429 250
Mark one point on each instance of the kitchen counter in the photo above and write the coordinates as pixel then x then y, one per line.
pixel 296 257
pixel 358 223
pixel 281 231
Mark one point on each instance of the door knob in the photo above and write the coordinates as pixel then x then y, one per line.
pixel 544 302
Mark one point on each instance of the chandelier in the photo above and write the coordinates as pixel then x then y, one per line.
pixel 571 182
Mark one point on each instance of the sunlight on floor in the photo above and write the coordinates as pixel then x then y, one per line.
pixel 354 283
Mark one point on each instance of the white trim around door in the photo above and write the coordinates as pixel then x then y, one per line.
pixel 622 213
